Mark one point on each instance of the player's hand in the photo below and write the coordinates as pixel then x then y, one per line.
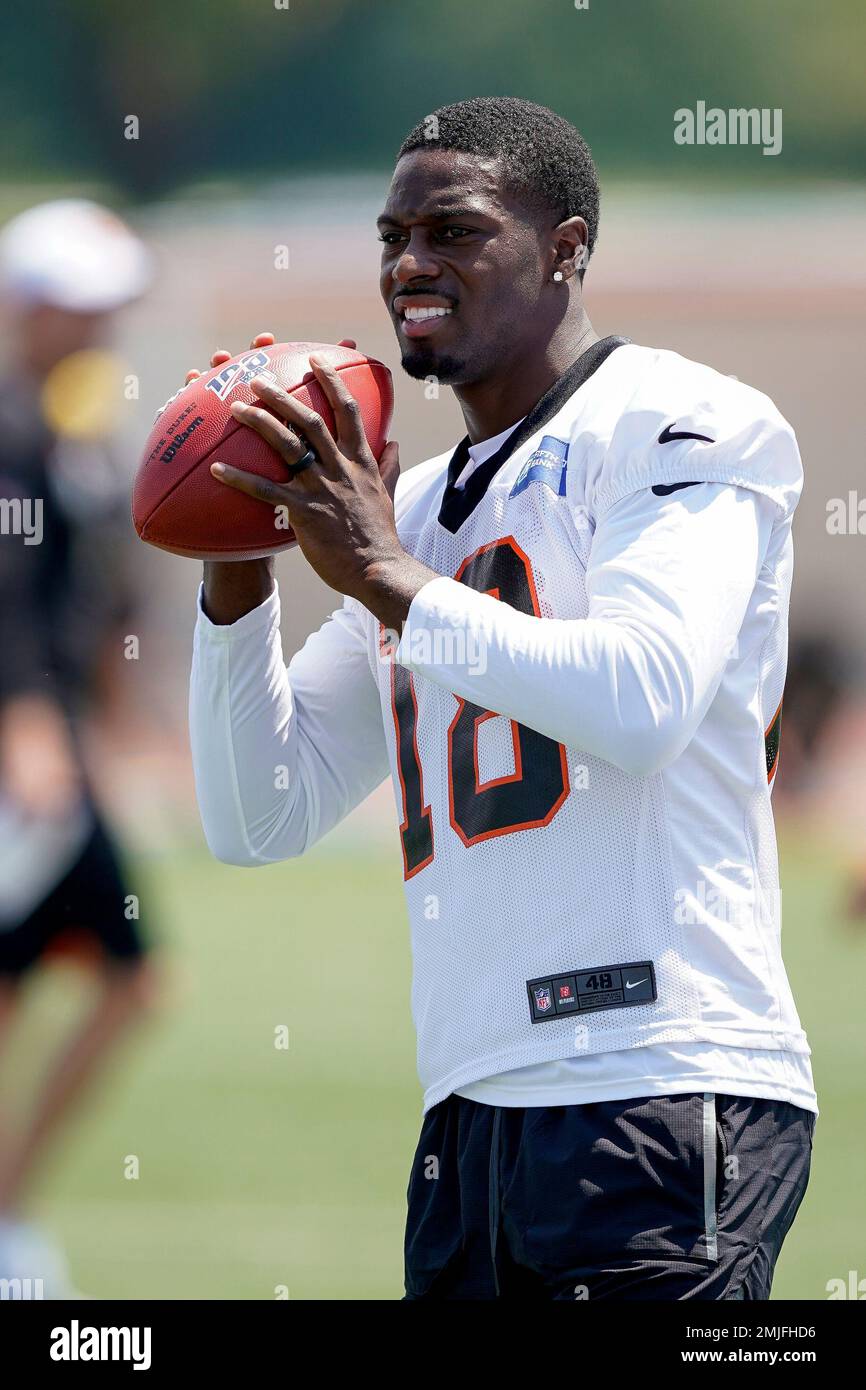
pixel 234 587
pixel 259 341
pixel 341 507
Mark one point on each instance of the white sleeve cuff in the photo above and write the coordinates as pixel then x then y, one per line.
pixel 442 606
pixel 466 641
pixel 265 615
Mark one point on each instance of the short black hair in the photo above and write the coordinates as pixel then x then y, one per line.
pixel 546 158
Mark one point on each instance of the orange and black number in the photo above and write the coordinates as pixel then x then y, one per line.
pixel 526 798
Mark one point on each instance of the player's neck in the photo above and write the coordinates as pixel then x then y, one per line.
pixel 490 406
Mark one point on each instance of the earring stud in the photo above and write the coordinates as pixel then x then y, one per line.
pixel 557 275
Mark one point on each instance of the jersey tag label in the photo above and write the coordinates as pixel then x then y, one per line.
pixel 579 991
pixel 546 465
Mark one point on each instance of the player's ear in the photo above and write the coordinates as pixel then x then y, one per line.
pixel 570 241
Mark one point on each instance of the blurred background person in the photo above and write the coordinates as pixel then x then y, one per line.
pixel 66 269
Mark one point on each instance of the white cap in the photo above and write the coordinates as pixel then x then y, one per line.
pixel 72 254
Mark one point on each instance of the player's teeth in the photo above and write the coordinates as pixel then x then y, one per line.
pixel 416 315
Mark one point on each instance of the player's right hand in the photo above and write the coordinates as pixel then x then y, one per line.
pixel 259 341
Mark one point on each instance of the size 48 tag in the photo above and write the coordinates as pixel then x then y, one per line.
pixel 581 991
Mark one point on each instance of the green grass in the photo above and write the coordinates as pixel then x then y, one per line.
pixel 262 1167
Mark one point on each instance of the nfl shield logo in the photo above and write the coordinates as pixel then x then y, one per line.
pixel 542 998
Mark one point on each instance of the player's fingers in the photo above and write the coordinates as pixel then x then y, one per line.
pixel 347 412
pixel 263 340
pixel 280 436
pixel 347 342
pixel 389 467
pixel 221 355
pixel 274 494
pixel 300 417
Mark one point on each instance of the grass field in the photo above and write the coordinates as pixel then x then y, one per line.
pixel 261 1166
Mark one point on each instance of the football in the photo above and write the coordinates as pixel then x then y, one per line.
pixel 179 506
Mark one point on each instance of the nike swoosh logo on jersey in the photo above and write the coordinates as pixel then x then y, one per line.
pixel 668 435
pixel 632 984
pixel 665 489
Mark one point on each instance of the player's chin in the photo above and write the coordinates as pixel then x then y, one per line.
pixel 421 362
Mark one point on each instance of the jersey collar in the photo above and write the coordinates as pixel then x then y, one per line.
pixel 458 504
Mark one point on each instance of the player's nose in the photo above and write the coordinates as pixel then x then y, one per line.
pixel 414 263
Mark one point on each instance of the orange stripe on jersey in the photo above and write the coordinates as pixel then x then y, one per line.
pixel 772 739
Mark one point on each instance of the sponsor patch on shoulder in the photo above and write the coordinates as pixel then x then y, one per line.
pixel 547 465
pixel 580 991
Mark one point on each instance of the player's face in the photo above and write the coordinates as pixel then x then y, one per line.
pixel 462 267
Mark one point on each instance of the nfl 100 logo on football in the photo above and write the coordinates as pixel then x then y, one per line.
pixel 239 373
pixel 547 465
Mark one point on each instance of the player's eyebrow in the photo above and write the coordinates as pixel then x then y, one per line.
pixel 437 213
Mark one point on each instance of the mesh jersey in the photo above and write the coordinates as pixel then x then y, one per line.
pixel 529 860
pixel 608 830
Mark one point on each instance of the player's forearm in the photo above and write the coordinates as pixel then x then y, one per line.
pixel 668 587
pixel 234 588
pixel 242 733
pixel 590 685
pixel 281 755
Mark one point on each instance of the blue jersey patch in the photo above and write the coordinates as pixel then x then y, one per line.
pixel 546 465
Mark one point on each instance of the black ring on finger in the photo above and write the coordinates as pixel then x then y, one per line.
pixel 304 462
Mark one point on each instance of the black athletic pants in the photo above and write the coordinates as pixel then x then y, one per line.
pixel 664 1197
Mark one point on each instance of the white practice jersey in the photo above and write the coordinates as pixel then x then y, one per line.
pixel 581 724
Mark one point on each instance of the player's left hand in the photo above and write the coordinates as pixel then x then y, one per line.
pixel 341 507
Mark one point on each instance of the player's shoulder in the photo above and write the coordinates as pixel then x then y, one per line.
pixel 653 385
pixel 663 418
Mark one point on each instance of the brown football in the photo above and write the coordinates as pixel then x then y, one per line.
pixel 178 505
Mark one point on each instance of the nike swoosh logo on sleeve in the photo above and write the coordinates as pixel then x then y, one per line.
pixel 668 435
pixel 665 489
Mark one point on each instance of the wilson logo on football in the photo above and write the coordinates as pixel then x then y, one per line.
pixel 180 439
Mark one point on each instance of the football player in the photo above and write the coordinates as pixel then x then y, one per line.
pixel 566 644
pixel 67 269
